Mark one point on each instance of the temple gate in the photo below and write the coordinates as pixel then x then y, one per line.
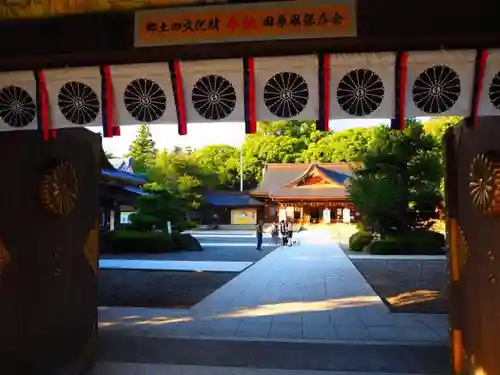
pixel 243 62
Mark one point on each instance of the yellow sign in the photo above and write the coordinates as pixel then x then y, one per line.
pixel 10 9
pixel 244 216
pixel 246 22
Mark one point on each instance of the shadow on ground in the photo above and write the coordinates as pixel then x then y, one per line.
pixel 407 285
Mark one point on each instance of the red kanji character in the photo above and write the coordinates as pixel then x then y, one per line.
pixel 249 23
pixel 232 24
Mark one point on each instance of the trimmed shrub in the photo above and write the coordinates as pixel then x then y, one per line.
pixel 130 241
pixel 420 242
pixel 359 240
pixel 388 246
pixel 184 241
pixel 424 242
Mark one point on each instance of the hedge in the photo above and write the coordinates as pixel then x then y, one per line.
pixel 388 246
pixel 359 240
pixel 184 241
pixel 130 241
pixel 425 242
pixel 417 242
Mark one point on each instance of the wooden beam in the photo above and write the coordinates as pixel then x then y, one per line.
pixel 382 25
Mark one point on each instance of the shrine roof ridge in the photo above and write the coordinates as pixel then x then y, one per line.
pixel 280 180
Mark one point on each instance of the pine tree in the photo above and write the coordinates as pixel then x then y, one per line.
pixel 143 149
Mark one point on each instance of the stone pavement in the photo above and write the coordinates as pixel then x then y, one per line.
pixel 306 293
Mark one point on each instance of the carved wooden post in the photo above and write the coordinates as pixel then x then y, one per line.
pixel 48 251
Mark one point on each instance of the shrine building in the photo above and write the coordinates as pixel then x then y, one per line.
pixel 307 193
pixel 119 188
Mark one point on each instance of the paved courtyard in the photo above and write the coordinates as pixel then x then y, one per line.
pixel 304 310
pixel 310 292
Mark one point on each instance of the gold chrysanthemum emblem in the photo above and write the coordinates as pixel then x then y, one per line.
pixel 59 189
pixel 484 180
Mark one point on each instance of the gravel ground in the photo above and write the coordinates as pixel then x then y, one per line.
pixel 171 289
pixel 157 288
pixel 408 286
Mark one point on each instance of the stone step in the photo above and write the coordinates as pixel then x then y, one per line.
pixel 124 368
pixel 363 358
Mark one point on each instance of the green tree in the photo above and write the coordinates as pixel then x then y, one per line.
pixel 223 161
pixel 345 146
pixel 180 175
pixel 157 209
pixel 438 125
pixel 397 186
pixel 143 150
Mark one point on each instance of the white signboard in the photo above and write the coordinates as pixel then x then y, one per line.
pixel 346 215
pixel 326 215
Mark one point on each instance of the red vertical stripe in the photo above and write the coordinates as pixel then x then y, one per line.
pixel 481 66
pixel 181 107
pixel 44 108
pixel 112 129
pixel 326 91
pixel 402 88
pixel 251 95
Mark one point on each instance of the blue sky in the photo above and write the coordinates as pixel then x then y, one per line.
pixel 200 135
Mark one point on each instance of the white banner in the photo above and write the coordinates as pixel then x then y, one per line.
pixel 440 83
pixel 286 88
pixel 489 104
pixel 18 106
pixel 74 97
pixel 143 94
pixel 213 90
pixel 362 85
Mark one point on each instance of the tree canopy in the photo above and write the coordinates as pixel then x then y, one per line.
pixel 397 186
pixel 143 149
pixel 402 169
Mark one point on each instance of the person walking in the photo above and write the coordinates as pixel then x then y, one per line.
pixel 284 237
pixel 260 234
pixel 289 232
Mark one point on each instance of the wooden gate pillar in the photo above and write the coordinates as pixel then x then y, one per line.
pixel 49 226
pixel 473 227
